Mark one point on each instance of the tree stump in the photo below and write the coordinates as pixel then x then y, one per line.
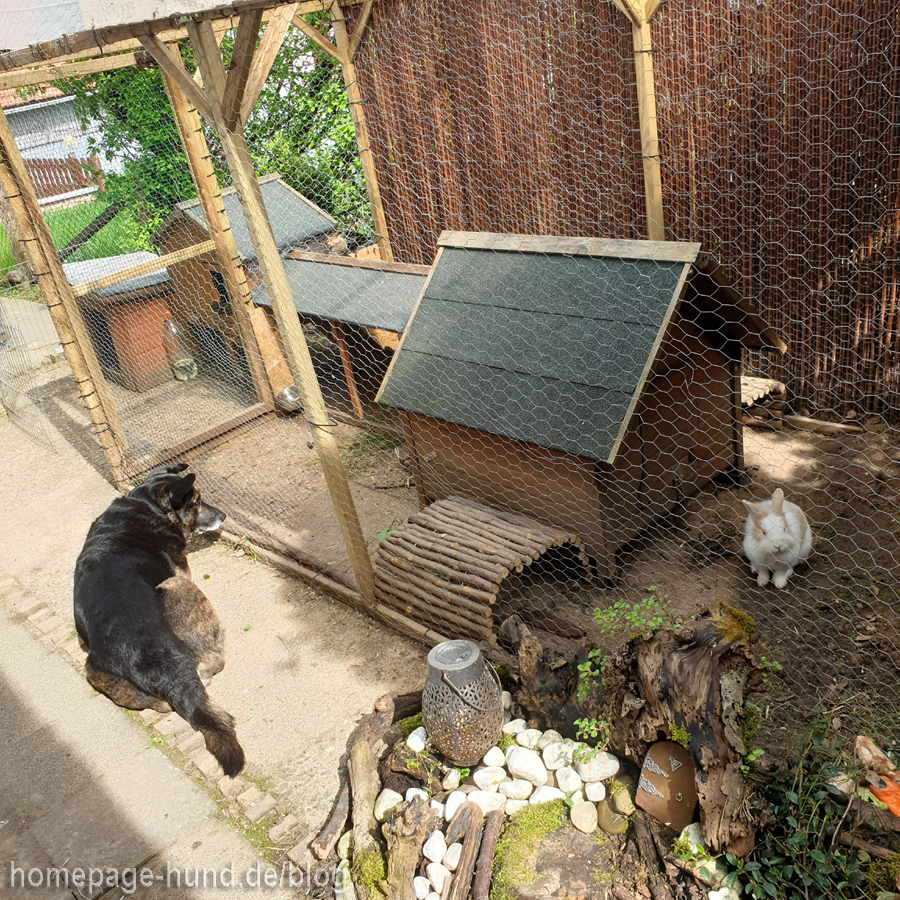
pixel 695 679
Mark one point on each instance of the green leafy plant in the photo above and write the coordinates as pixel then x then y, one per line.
pixel 749 760
pixel 794 858
pixel 769 667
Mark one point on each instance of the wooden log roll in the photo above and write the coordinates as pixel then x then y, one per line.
pixel 435 562
pixel 470 562
pixel 427 579
pixel 526 551
pixel 397 598
pixel 502 553
pixel 427 600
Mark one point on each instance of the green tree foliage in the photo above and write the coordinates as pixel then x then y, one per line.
pixel 300 127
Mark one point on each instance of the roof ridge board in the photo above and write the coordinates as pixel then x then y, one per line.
pixel 660 251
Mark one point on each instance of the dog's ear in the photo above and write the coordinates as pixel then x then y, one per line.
pixel 180 490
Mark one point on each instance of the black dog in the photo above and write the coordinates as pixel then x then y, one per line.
pixel 150 633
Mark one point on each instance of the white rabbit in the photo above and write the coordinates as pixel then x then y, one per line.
pixel 777 536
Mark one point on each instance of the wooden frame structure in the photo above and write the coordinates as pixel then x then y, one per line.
pixel 225 100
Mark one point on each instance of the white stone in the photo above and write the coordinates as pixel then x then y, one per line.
pixel 527 764
pixel 451 780
pixel 506 699
pixel 516 789
pixel 694 834
pixel 556 755
pixel 451 857
pixel 513 806
pixel 421 887
pixel 344 844
pixel 494 757
pixel 514 726
pixel 489 777
pixel 436 804
pixel 437 875
pixel 549 737
pixel 577 797
pixel 452 804
pixel 725 893
pixel 416 740
pixel 488 800
pixel 412 793
pixel 599 767
pixel 595 791
pixel 545 793
pixel 528 738
pixel 387 802
pixel 435 847
pixel 584 817
pixel 433 895
pixel 567 780
pixel 343 882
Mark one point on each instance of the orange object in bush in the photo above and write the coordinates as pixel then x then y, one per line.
pixel 885 790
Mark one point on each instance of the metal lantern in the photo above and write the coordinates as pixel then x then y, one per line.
pixel 462 710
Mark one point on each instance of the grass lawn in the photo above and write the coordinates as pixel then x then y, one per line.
pixel 119 236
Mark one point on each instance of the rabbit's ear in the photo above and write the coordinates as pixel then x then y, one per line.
pixel 754 509
pixel 777 501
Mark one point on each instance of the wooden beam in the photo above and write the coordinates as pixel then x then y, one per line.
pixel 230 263
pixel 240 165
pixel 354 98
pixel 330 259
pixel 269 45
pixel 317 37
pixel 144 268
pixel 67 70
pixel 239 71
pixel 116 37
pixel 23 204
pixel 170 62
pixel 360 29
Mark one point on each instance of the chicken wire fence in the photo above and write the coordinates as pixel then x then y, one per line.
pixel 538 425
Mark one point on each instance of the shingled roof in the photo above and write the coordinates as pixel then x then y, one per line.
pixel 294 218
pixel 550 340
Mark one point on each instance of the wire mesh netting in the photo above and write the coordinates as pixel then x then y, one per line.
pixel 539 411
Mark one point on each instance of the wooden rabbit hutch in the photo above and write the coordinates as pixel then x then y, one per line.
pixel 588 384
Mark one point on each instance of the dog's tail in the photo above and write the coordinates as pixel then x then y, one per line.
pixel 217 727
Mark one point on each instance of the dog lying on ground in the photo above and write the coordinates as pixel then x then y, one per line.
pixel 150 633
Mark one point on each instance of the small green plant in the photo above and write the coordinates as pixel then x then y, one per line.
pixel 386 532
pixel 463 773
pixel 597 729
pixel 748 765
pixel 506 741
pixel 769 667
pixel 249 550
pixel 684 848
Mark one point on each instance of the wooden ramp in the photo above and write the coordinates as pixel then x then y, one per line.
pixel 444 566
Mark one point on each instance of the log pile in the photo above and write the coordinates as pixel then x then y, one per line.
pixel 444 567
pixel 763 402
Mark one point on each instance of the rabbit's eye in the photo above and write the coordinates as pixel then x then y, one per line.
pixel 764 532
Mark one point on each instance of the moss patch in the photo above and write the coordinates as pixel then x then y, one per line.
pixel 678 733
pixel 733 624
pixel 518 843
pixel 368 869
pixel 408 726
pixel 507 741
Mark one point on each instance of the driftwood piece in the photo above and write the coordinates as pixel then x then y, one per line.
pixel 466 827
pixel 694 678
pixel 405 835
pixel 548 674
pixel 334 827
pixel 481 886
pixel 650 857
pixel 872 849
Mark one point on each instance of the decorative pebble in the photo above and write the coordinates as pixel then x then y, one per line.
pixel 343 845
pixel 599 767
pixel 549 737
pixel 452 804
pixel 421 887
pixel 609 820
pixel 387 802
pixel 489 777
pixel 416 740
pixel 595 791
pixel 451 780
pixel 584 817
pixel 437 875
pixel 516 789
pixel 545 793
pixel 515 726
pixel 488 800
pixel 577 797
pixel 435 847
pixel 494 757
pixel 527 764
pixel 567 780
pixel 412 793
pixel 436 804
pixel 620 799
pixel 513 806
pixel 528 738
pixel 506 699
pixel 556 755
pixel 343 882
pixel 434 895
pixel 451 857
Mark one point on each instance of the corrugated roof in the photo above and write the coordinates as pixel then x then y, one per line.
pixel 363 293
pixel 294 218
